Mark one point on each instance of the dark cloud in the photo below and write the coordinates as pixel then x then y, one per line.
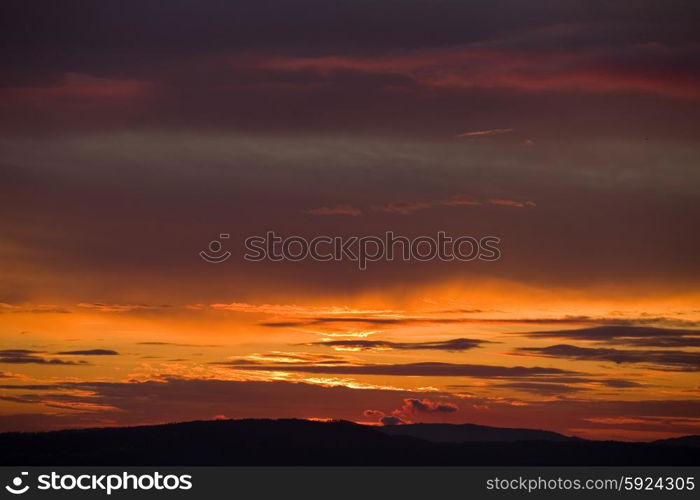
pixel 543 389
pixel 609 324
pixel 392 420
pixel 64 401
pixel 91 352
pixel 215 25
pixel 26 356
pixel 173 399
pixel 619 383
pixel 373 413
pixel 125 308
pixel 551 385
pixel 369 320
pixel 643 336
pixel 357 66
pixel 31 387
pixel 459 344
pixel 136 37
pixel 683 341
pixel 660 359
pixel 411 405
pixel 427 369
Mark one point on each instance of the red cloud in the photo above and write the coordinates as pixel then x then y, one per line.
pixel 588 71
pixel 336 210
pixel 75 86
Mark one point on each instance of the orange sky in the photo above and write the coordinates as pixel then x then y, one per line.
pixel 371 344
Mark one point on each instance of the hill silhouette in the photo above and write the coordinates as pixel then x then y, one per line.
pixel 689 441
pixel 304 442
pixel 459 433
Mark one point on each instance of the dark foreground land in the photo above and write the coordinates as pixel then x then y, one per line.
pixel 302 442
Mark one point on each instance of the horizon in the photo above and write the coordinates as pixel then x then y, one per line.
pixel 376 425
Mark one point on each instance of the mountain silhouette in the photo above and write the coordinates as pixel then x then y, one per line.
pixel 304 442
pixel 459 433
pixel 689 441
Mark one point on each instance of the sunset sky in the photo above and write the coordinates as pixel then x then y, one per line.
pixel 134 133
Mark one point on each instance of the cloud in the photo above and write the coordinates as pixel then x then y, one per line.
pixel 583 71
pixel 659 359
pixel 63 401
pixel 77 86
pixel 122 308
pixel 681 341
pixel 427 369
pixel 95 403
pixel 33 387
pixel 26 356
pixel 620 383
pixel 393 420
pixel 335 210
pixel 297 310
pixel 403 208
pixel 542 389
pixel 289 358
pixel 175 344
pixel 32 308
pixel 91 352
pixel 413 405
pixel 505 202
pixel 353 74
pixel 178 399
pixel 373 413
pixel 485 133
pixel 643 336
pixel 460 344
pixel 458 201
pixel 553 385
pixel 425 184
pixel 398 318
